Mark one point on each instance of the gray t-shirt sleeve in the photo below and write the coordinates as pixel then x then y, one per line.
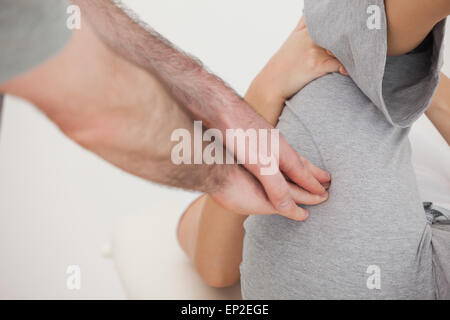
pixel 342 27
pixel 30 33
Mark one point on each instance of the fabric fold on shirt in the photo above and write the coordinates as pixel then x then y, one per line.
pixel 362 48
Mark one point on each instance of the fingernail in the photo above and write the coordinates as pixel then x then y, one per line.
pixel 303 215
pixel 324 195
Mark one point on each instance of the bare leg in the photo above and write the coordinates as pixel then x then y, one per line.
pixel 215 248
pixel 187 231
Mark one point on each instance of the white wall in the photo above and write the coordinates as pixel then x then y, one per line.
pixel 58 202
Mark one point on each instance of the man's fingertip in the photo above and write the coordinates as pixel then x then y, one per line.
pixel 302 215
pixel 299 214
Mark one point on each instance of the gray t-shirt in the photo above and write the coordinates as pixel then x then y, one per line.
pixel 373 227
pixel 31 32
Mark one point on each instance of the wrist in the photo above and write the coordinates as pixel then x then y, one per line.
pixel 265 99
pixel 263 92
pixel 268 85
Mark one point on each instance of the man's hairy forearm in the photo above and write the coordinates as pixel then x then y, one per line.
pixel 115 109
pixel 203 94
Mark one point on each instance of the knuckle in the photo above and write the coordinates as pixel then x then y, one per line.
pixel 280 195
pixel 296 164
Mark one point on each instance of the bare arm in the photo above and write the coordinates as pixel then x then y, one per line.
pixel 410 21
pixel 206 97
pixel 115 109
pixel 439 110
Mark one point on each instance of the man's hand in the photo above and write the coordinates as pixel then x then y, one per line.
pixel 298 62
pixel 243 194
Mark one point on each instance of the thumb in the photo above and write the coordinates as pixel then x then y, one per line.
pixel 331 65
pixel 342 69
